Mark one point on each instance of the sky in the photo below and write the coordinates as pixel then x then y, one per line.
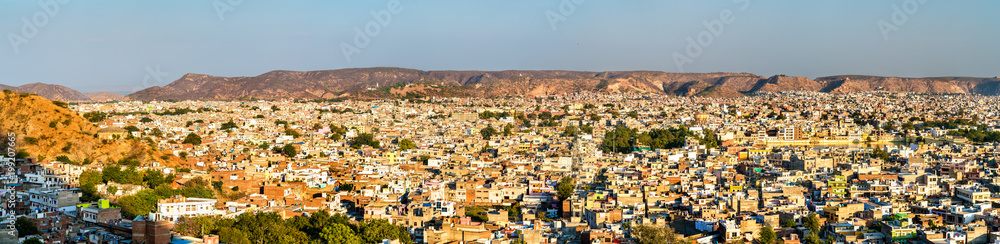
pixel 123 46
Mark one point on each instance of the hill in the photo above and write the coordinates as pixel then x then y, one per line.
pixel 47 130
pixel 62 93
pixel 50 91
pixel 399 82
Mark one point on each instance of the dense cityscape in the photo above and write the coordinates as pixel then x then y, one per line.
pixel 786 167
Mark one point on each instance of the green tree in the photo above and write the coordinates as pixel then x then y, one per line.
pixel 292 132
pixel 289 150
pixel 406 144
pixel 217 185
pixel 888 127
pixel 507 129
pixel 155 178
pixel 348 187
pixel 232 235
pixel 565 188
pixel 195 226
pixel 488 133
pixel 91 177
pixel 633 114
pixel 364 139
pixel 767 235
pixel 25 227
pixel 618 140
pixel 908 125
pixel 192 139
pixel 229 125
pixel 339 233
pixel 112 190
pixel 113 173
pixel 89 193
pixel 812 223
pixel 131 176
pixel 812 238
pixel 33 240
pixel 788 224
pixel 374 231
pixel 571 131
pixel 880 154
pixel 95 117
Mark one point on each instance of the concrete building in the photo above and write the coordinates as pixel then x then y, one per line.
pixel 176 207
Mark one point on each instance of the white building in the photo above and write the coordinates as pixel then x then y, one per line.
pixel 178 206
pixel 973 194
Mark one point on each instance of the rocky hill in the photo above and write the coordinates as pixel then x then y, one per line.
pixel 47 130
pixel 380 82
pixel 389 82
pixel 856 83
pixel 49 91
pixel 62 93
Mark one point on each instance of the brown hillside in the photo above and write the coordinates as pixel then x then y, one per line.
pixel 50 91
pixel 380 82
pixel 46 131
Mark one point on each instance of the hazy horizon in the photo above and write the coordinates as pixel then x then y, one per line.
pixel 120 46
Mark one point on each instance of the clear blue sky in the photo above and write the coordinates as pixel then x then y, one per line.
pixel 98 45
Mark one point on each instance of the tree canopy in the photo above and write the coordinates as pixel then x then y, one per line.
pixel 25 227
pixel 623 139
pixel 319 227
pixel 289 150
pixel 192 139
pixel 767 235
pixel 406 144
pixel 488 132
pixel 364 139
pixel 565 188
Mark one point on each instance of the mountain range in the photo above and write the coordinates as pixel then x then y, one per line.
pixel 62 93
pixel 400 82
pixel 381 82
